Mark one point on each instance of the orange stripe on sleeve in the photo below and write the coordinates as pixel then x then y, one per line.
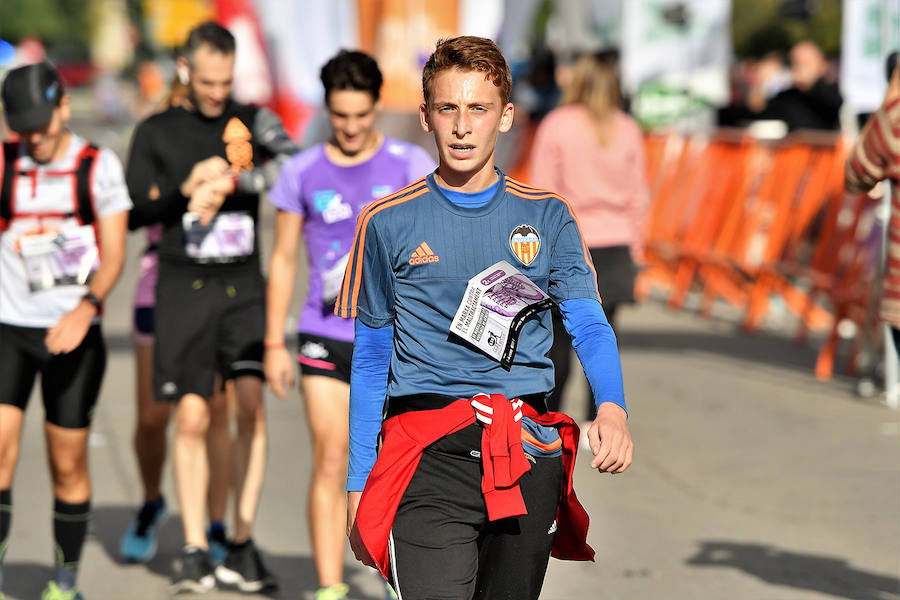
pixel 360 249
pixel 526 435
pixel 341 309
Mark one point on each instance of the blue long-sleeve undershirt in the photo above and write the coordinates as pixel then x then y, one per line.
pixel 595 344
pixel 368 390
pixel 592 338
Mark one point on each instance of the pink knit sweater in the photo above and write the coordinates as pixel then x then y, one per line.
pixel 605 184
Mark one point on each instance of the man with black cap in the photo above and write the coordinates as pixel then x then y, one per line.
pixel 63 219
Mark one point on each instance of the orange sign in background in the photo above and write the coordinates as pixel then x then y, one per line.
pixel 401 36
pixel 170 21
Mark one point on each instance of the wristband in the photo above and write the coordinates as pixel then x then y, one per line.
pixel 93 301
pixel 273 345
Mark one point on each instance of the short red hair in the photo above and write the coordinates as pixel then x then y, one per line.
pixel 468 53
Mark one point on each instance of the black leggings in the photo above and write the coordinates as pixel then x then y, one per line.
pixel 444 548
pixel 70 383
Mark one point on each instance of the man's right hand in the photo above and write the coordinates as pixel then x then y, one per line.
pixel 209 196
pixel 356 543
pixel 203 171
pixel 279 370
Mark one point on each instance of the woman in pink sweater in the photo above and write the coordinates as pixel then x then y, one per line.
pixel 592 154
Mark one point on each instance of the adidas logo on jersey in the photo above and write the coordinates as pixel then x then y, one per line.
pixel 423 254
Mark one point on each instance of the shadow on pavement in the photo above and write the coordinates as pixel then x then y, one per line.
pixel 296 573
pixel 762 348
pixel 823 574
pixel 25 579
pixel 108 523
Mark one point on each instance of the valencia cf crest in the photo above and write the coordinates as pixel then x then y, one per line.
pixel 525 242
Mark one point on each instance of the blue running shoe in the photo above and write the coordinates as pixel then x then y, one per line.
pixel 218 544
pixel 139 542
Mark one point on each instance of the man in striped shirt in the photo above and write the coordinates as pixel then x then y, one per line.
pixel 876 156
pixel 408 269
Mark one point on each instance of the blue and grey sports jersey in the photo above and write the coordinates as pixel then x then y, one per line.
pixel 411 261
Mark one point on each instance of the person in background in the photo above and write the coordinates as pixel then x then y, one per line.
pixel 592 154
pixel 63 219
pixel 139 542
pixel 876 156
pixel 319 195
pixel 812 101
pixel 212 157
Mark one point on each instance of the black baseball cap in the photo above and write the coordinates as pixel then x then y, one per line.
pixel 30 94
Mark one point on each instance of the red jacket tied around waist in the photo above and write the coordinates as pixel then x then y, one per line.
pixel 407 435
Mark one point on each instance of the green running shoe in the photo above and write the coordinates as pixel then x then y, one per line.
pixel 337 591
pixel 54 592
pixel 389 592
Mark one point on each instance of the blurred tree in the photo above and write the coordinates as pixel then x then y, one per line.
pixel 55 22
pixel 763 26
pixel 145 49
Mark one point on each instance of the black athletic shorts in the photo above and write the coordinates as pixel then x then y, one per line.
pixel 442 544
pixel 70 383
pixel 324 356
pixel 207 324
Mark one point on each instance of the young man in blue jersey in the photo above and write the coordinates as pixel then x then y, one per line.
pixel 472 488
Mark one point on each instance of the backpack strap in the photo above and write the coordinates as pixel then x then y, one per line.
pixel 84 175
pixel 10 154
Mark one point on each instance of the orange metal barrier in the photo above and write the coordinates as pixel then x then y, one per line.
pixel 743 220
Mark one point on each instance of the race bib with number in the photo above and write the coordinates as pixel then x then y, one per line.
pixel 229 237
pixel 67 257
pixel 494 309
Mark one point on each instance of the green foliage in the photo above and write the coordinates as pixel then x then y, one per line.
pixel 55 22
pixel 758 27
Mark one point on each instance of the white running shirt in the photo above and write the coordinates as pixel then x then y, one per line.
pixel 51 193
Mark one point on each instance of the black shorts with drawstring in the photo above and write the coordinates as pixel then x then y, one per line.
pixel 207 323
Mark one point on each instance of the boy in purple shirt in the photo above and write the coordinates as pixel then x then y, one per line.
pixel 321 192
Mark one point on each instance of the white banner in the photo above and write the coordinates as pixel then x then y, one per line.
pixel 679 43
pixel 303 35
pixel 870 30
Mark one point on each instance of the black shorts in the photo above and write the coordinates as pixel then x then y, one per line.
pixel 324 356
pixel 70 383
pixel 207 324
pixel 443 545
pixel 144 323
